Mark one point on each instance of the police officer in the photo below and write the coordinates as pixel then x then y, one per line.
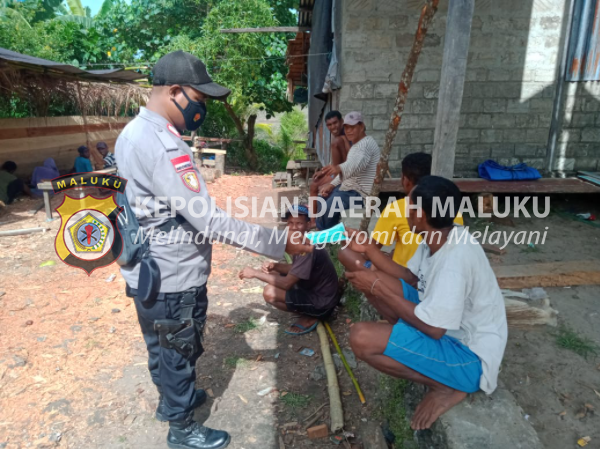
pixel 161 178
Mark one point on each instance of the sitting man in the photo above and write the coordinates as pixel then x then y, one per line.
pixel 340 145
pixel 10 185
pixel 308 286
pixel 82 162
pixel 353 178
pixel 447 323
pixel 392 225
pixel 109 158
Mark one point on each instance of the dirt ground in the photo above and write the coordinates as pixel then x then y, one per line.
pixel 73 363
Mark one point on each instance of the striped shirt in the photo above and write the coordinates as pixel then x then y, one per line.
pixel 109 160
pixel 360 168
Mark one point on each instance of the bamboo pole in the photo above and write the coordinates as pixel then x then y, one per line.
pixel 335 401
pixel 427 14
pixel 361 396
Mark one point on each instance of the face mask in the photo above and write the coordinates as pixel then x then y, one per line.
pixel 193 114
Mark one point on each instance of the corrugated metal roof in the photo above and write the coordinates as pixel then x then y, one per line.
pixel 12 58
pixel 584 45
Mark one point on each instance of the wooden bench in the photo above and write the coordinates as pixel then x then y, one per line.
pixel 46 188
pixel 298 166
pixel 281 179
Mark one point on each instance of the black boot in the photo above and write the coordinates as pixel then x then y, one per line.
pixel 189 434
pixel 160 412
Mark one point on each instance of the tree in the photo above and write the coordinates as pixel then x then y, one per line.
pixel 250 64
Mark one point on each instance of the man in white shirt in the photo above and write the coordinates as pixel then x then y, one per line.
pixel 447 323
pixel 353 179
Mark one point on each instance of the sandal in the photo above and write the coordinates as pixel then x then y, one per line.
pixel 305 330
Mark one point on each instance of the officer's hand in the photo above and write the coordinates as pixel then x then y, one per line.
pixel 297 244
pixel 268 267
pixel 247 273
pixel 326 190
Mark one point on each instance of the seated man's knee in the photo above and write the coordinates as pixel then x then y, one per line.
pixel 269 294
pixel 359 337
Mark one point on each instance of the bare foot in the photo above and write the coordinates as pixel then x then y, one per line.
pixel 304 321
pixel 435 403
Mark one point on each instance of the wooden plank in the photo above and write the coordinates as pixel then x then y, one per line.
pixel 454 68
pixel 549 274
pixel 478 185
pixel 266 30
pixel 209 150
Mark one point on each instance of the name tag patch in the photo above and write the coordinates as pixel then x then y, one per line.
pixel 190 179
pixel 182 163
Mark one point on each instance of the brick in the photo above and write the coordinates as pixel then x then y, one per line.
pixel 472 105
pixel 503 120
pixel 361 91
pixel 398 22
pixel 385 90
pixel 517 106
pixel 479 120
pixel 499 75
pixel 515 135
pixel 375 107
pixel 528 150
pixel 582 120
pixel 590 104
pixel 380 124
pixel 590 135
pixel 431 92
pixel 544 120
pixel 491 135
pixel 586 163
pixel 541 105
pixel 479 151
pixel 425 136
pixel 569 135
pixel 375 23
pixel 526 121
pixel 468 135
pixel 502 149
pixel 476 74
pixel 320 431
pixel 422 106
pixel 426 121
pixel 361 5
pixel 428 75
pixel 410 121
pixel 353 22
pixel 539 135
pixel 431 40
pixel 494 105
pixel 538 163
pixel 405 40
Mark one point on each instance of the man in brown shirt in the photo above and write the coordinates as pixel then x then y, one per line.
pixel 308 286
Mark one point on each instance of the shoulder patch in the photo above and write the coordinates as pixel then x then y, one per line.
pixel 182 163
pixel 173 130
pixel 190 179
pixel 166 139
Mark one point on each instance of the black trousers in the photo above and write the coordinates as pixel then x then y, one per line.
pixel 14 189
pixel 172 373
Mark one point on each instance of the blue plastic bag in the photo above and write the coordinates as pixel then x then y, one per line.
pixel 493 171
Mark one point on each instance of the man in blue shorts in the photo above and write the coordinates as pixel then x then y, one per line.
pixel 447 323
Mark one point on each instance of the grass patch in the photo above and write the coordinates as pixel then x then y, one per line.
pixel 569 339
pixel 333 251
pixel 392 408
pixel 295 400
pixel 235 362
pixel 353 303
pixel 245 326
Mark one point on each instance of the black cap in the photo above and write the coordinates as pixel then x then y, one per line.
pixel 182 68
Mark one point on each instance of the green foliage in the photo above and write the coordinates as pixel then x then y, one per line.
pixel 250 64
pixel 245 326
pixel 293 127
pixel 569 339
pixel 295 400
pixel 235 362
pixel 392 393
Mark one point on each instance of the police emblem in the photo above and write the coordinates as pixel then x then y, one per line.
pixel 88 237
pixel 190 179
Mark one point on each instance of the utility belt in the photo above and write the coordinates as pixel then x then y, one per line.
pixel 185 334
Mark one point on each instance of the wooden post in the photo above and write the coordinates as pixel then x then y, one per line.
pixel 220 161
pixel 427 14
pixel 454 67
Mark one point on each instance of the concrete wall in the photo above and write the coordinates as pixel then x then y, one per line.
pixel 509 90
